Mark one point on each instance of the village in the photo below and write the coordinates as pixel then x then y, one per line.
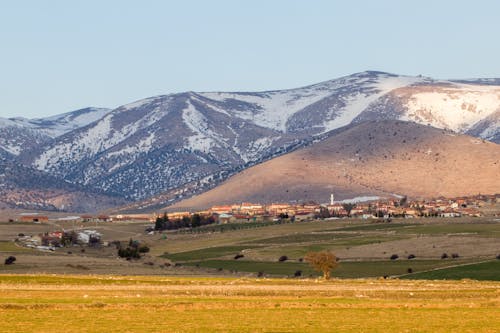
pixel 256 212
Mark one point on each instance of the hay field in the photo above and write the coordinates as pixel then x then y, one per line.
pixel 55 303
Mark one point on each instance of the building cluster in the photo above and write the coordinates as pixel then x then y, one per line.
pixel 52 240
pixel 256 212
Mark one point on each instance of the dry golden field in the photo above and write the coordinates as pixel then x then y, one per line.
pixel 57 303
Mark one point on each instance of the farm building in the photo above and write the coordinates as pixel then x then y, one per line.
pixel 33 218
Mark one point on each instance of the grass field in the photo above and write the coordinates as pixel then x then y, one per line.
pixel 479 271
pixel 54 303
pixel 364 247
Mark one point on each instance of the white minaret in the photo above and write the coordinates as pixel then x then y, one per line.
pixel 331 199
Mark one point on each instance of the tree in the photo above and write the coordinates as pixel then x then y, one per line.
pixel 404 201
pixel 195 220
pixel 348 207
pixel 322 261
pixel 161 222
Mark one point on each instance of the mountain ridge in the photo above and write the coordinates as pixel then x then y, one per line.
pixel 185 143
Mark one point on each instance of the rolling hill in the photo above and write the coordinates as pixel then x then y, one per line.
pixel 375 158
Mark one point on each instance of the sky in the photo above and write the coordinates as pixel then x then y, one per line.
pixel 59 56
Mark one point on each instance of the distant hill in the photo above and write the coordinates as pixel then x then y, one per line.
pixel 375 158
pixel 21 134
pixel 22 187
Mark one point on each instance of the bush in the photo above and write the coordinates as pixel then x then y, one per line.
pixel 444 256
pixel 394 257
pixel 498 257
pixel 283 258
pixel 297 273
pixel 143 249
pixel 411 256
pixel 455 255
pixel 260 274
pixel 238 256
pixel 409 270
pixel 10 260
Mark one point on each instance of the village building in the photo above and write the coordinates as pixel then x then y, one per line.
pixel 224 209
pixel 28 217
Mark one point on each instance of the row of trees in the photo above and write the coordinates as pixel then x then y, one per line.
pixel 193 221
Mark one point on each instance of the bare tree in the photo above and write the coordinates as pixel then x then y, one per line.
pixel 323 261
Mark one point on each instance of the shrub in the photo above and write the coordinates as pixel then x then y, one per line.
pixel 297 273
pixel 409 270
pixel 238 256
pixel 283 258
pixel 455 255
pixel 394 257
pixel 10 260
pixel 411 256
pixel 260 274
pixel 498 257
pixel 143 249
pixel 301 259
pixel 444 256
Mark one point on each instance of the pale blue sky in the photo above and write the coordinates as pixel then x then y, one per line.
pixel 58 56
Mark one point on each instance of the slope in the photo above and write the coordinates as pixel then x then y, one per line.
pixel 20 134
pixel 27 188
pixel 378 158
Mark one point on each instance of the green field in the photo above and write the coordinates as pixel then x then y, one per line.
pixel 480 271
pixel 364 249
pixel 54 303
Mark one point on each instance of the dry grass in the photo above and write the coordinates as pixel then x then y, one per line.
pixel 166 304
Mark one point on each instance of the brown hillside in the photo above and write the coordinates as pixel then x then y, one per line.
pixel 372 158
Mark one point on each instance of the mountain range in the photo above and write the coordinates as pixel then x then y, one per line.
pixel 162 149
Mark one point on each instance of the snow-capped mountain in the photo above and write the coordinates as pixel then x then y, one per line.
pixel 27 188
pixel 19 134
pixel 165 142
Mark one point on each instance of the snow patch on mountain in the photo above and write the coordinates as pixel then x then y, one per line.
pixel 457 108
pixel 143 146
pixel 139 103
pixel 357 103
pixel 203 138
pixel 275 107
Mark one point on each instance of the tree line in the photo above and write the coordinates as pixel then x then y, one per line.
pixel 193 221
